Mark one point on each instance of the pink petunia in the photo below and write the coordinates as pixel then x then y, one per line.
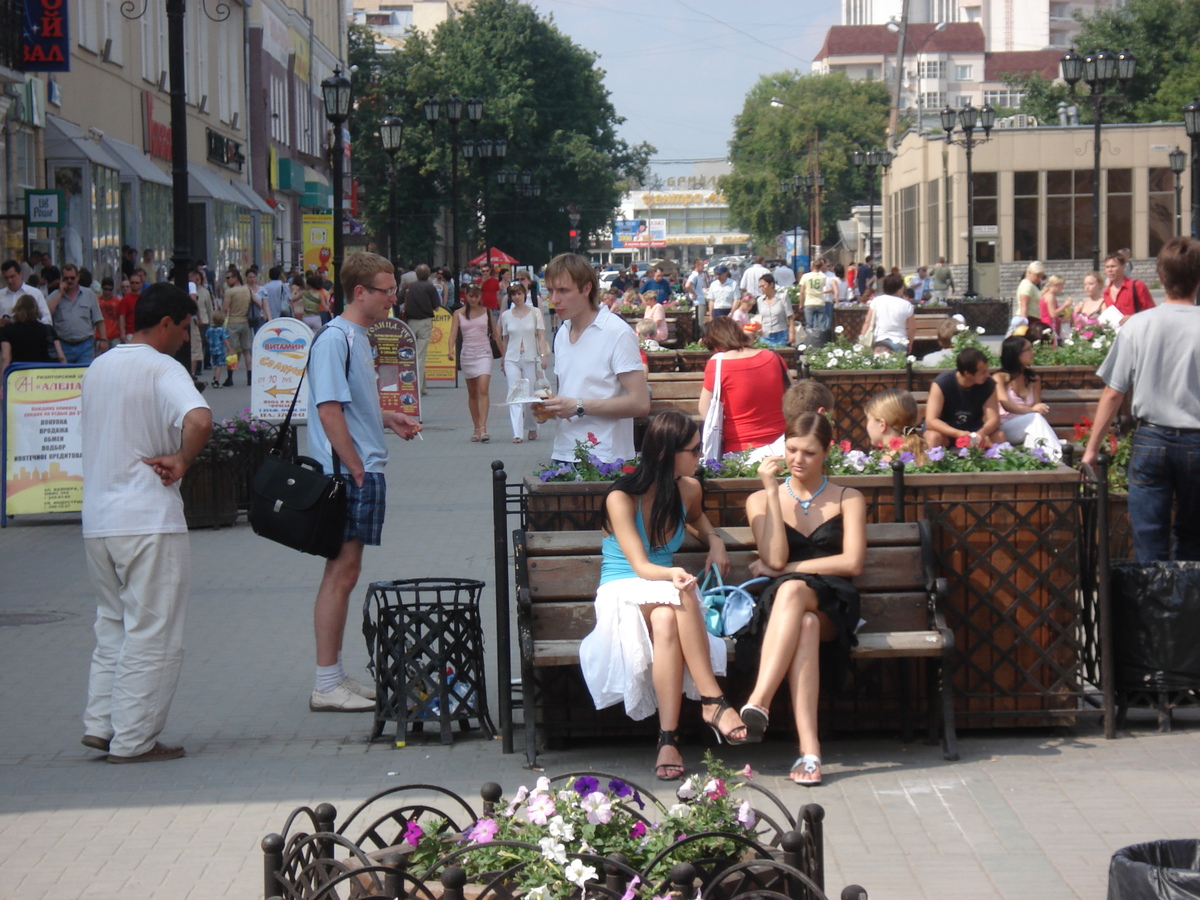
pixel 413 833
pixel 483 832
pixel 540 809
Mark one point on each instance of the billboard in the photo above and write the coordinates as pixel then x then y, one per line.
pixel 639 233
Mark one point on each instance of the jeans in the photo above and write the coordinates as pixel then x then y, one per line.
pixel 776 338
pixel 817 317
pixel 79 354
pixel 1164 466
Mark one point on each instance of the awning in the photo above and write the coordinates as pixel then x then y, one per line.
pixel 134 162
pixel 66 140
pixel 255 202
pixel 203 182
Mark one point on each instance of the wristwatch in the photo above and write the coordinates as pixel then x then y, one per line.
pixel 579 407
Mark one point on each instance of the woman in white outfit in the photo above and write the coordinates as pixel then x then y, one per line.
pixel 525 337
pixel 1019 392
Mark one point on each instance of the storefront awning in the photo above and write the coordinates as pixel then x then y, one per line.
pixel 67 141
pixel 255 202
pixel 203 183
pixel 134 162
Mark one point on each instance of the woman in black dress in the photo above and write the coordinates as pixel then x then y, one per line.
pixel 811 538
pixel 26 339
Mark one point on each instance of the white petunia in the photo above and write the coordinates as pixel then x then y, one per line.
pixel 567 796
pixel 838 352
pixel 979 329
pixel 802 347
pixel 561 829
pixel 687 790
pixel 1068 343
pixel 961 327
pixel 680 810
pixel 541 892
pixel 911 359
pixel 1097 344
pixel 598 808
pixel 839 329
pixel 578 873
pixel 833 363
pixel 542 786
pixel 553 850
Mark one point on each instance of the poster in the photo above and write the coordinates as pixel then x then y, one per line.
pixel 394 348
pixel 43 440
pixel 439 368
pixel 317 236
pixel 280 353
pixel 639 233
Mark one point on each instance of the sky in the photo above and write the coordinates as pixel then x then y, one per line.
pixel 679 70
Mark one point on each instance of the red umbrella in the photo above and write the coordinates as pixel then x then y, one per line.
pixel 497 256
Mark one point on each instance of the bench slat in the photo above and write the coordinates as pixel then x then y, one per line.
pixel 566 653
pixel 738 537
pixel 899 643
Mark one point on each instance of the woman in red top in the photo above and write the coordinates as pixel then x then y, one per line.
pixel 752 386
pixel 1128 295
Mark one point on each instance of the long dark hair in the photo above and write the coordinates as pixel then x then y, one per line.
pixel 667 434
pixel 1010 359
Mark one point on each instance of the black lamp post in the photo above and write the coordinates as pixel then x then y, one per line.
pixel 788 188
pixel 1191 124
pixel 1100 70
pixel 336 92
pixel 484 150
pixel 812 184
pixel 871 160
pixel 969 118
pixel 1178 161
pixel 391 132
pixel 453 107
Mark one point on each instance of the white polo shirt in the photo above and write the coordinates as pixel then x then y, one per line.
pixel 589 369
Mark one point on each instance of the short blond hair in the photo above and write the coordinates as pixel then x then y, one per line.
pixel 579 271
pixel 1053 280
pixel 360 269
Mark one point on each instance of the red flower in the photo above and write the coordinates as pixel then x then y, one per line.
pixel 845 446
pixel 963 440
pixel 895 443
pixel 628 469
pixel 593 440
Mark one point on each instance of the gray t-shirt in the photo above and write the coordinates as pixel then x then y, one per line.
pixel 359 395
pixel 1156 355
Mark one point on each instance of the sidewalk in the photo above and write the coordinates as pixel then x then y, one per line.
pixel 1023 815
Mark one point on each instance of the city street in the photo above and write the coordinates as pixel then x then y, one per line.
pixel 1024 814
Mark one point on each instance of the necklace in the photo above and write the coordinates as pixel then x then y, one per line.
pixel 805 504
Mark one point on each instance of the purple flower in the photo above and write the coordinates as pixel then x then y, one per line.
pixel 1039 454
pixel 618 788
pixel 483 832
pixel 936 454
pixel 413 833
pixel 992 452
pixel 964 452
pixel 637 830
pixel 907 458
pixel 637 798
pixel 585 785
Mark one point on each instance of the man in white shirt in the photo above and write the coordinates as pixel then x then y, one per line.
pixel 749 282
pixel 784 276
pixel 694 286
pixel 14 287
pixel 143 425
pixel 721 293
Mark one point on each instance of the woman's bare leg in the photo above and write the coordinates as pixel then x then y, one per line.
pixel 481 401
pixel 693 639
pixel 804 679
pixel 472 403
pixel 781 640
pixel 667 673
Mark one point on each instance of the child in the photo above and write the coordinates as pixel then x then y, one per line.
pixel 646 329
pixel 219 346
pixel 803 396
pixel 743 310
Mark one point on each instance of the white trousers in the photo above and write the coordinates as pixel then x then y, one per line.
pixel 521 415
pixel 422 330
pixel 1032 430
pixel 141 584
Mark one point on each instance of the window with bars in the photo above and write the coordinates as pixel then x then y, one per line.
pixel 931 68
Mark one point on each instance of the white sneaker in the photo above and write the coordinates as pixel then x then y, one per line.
pixel 340 699
pixel 354 686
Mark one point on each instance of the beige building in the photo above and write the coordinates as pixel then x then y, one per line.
pixel 391 20
pixel 1032 200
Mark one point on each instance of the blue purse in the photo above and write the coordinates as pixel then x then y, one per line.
pixel 727 608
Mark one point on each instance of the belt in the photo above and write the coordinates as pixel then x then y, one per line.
pixel 75 343
pixel 1142 423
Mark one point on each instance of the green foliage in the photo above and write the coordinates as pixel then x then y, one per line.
pixel 540 91
pixel 1041 96
pixel 772 143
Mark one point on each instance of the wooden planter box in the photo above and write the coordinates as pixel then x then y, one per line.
pixel 662 361
pixel 851 318
pixel 992 315
pixel 1008 546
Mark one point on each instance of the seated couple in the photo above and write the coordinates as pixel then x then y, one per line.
pixel 650 645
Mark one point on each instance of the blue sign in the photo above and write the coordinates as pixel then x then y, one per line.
pixel 46 37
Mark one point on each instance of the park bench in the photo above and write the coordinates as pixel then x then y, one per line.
pixel 557 573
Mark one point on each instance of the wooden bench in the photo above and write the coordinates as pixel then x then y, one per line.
pixel 1066 408
pixel 557 574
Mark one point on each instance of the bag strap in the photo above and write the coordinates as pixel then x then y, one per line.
pixel 716 398
pixel 710 573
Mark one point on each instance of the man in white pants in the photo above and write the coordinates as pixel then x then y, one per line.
pixel 143 425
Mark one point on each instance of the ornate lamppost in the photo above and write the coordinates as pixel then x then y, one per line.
pixel 1178 162
pixel 336 92
pixel 871 160
pixel 1191 124
pixel 789 188
pixel 391 133
pixel 1100 70
pixel 453 107
pixel 969 119
pixel 484 150
pixel 813 183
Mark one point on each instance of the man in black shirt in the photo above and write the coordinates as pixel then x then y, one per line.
pixel 419 301
pixel 962 410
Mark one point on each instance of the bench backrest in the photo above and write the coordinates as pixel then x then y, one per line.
pixel 561 570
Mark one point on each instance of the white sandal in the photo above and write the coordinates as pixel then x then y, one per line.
pixel 810 770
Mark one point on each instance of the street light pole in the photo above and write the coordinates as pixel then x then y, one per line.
pixel 1191 124
pixel 1178 161
pixel 871 160
pixel 336 92
pixel 1099 69
pixel 391 133
pixel 969 118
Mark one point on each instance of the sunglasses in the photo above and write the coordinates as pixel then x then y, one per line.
pixel 694 450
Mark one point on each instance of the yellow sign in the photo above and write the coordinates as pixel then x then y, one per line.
pixel 43 468
pixel 438 365
pixel 299 47
pixel 317 235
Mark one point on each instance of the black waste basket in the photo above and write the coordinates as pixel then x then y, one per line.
pixel 1156 625
pixel 1158 870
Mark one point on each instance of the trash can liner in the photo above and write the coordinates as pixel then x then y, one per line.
pixel 1157 870
pixel 1156 625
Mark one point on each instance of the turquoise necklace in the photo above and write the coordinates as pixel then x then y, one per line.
pixel 805 504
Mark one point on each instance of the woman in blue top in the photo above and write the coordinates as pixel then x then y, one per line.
pixel 649 630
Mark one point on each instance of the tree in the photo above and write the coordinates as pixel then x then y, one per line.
pixel 772 143
pixel 540 92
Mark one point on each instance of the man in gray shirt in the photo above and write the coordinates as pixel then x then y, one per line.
pixel 1155 356
pixel 76 314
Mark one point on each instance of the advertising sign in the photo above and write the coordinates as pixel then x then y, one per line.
pixel 43 440
pixel 46 209
pixel 45 36
pixel 280 353
pixel 639 233
pixel 439 368
pixel 317 232
pixel 394 347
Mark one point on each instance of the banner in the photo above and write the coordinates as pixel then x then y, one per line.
pixel 280 353
pixel 394 347
pixel 45 36
pixel 439 368
pixel 317 236
pixel 639 233
pixel 43 439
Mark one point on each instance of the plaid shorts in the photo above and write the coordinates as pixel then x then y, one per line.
pixel 365 507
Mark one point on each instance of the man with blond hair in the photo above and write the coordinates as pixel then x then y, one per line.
pixel 349 425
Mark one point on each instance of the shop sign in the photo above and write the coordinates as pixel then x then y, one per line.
pixel 439 366
pixel 43 440
pixel 46 37
pixel 280 354
pixel 156 136
pixel 224 151
pixel 46 208
pixel 684 198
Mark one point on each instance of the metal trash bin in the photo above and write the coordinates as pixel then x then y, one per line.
pixel 425 640
pixel 1157 870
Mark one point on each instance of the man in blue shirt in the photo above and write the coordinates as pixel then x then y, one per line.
pixel 660 285
pixel 865 271
pixel 349 422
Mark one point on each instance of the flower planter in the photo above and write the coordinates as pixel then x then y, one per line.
pixel 210 491
pixel 992 315
pixel 851 318
pixel 662 360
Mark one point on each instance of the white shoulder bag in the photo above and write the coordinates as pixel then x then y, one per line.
pixel 712 435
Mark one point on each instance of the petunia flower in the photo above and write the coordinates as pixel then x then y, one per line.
pixel 586 784
pixel 963 440
pixel 561 829
pixel 839 329
pixel 936 454
pixel 593 440
pixel 907 458
pixel 522 793
pixel 580 874
pixel 681 810
pixel 748 773
pixel 687 790
pixel 539 809
pixel 598 808
pixel 483 832
pixel 745 814
pixel 541 892
pixel 630 893
pixel 618 788
pixel 715 788
pixel 638 829
pixel 553 850
pixel 895 443
pixel 845 446
pixel 413 833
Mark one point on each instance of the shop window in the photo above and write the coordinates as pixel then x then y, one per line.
pixel 1069 214
pixel 1119 217
pixel 984 189
pixel 1161 218
pixel 1025 215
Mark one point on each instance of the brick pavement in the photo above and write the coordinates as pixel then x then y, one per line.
pixel 1024 814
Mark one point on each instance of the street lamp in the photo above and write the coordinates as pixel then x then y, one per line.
pixel 452 106
pixel 969 118
pixel 813 184
pixel 791 192
pixel 871 160
pixel 901 27
pixel 336 92
pixel 484 150
pixel 1100 70
pixel 1178 161
pixel 1191 124
pixel 391 132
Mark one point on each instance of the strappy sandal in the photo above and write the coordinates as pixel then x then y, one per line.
pixel 722 704
pixel 757 719
pixel 809 767
pixel 668 771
